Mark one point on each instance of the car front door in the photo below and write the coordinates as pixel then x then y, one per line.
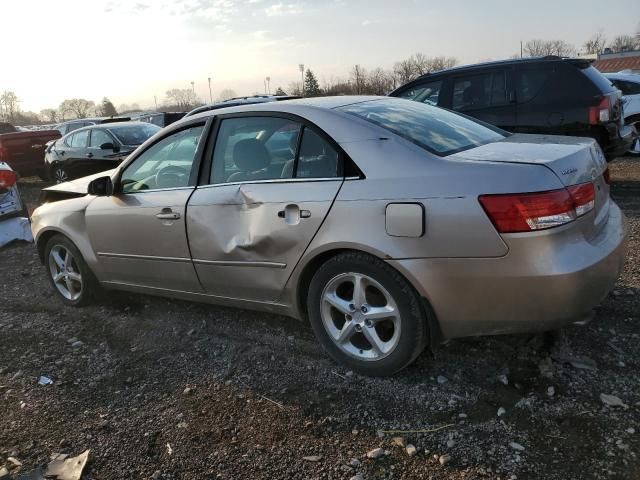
pixel 138 234
pixel 485 95
pixel 101 159
pixel 272 182
pixel 74 153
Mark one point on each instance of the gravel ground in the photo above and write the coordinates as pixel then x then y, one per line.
pixel 171 390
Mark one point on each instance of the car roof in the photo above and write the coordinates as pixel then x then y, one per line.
pixel 499 63
pixel 249 100
pixel 287 106
pixel 105 126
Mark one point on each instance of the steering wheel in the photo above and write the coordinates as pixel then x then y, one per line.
pixel 172 176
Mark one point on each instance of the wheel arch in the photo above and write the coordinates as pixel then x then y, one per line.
pixel 315 261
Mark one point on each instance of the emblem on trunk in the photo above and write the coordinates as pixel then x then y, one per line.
pixel 36 145
pixel 568 171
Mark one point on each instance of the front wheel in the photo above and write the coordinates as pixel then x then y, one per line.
pixel 59 174
pixel 68 273
pixel 366 315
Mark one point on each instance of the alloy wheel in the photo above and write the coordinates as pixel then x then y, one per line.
pixel 65 272
pixel 60 175
pixel 361 316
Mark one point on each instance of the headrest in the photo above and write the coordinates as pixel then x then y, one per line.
pixel 250 155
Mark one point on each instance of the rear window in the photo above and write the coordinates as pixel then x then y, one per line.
pixel 600 81
pixel 437 130
pixel 134 134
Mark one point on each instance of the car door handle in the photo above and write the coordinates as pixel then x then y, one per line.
pixel 167 214
pixel 292 214
pixel 89 155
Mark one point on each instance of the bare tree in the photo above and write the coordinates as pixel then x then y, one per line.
pixel 379 82
pixel 226 94
pixel 596 43
pixel 358 79
pixel 77 107
pixel 8 104
pixel 624 42
pixel 183 98
pixel 541 48
pixel 404 71
pixel 49 115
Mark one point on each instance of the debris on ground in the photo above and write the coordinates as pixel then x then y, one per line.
pixel 63 467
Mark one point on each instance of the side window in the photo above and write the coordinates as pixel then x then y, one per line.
pixel 426 93
pixel 530 82
pixel 317 159
pixel 166 164
pixel 68 140
pixel 254 148
pixel 73 126
pixel 98 137
pixel 79 140
pixel 627 88
pixel 479 91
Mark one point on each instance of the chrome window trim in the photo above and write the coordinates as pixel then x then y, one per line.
pixel 277 180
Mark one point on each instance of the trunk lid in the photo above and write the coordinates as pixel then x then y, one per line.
pixel 574 160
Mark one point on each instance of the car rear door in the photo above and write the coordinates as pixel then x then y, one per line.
pixel 260 205
pixel 485 94
pixel 138 234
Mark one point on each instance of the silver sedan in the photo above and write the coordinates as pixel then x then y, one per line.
pixel 388 224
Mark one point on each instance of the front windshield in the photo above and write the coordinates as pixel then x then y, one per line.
pixel 134 134
pixel 437 130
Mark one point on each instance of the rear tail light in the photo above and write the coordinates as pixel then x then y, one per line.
pixel 7 178
pixel 527 212
pixel 600 113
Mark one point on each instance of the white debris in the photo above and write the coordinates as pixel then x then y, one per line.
pixel 612 400
pixel 501 411
pixel 516 446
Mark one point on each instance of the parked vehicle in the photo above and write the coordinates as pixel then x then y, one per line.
pixel 388 223
pixel 548 95
pixel 161 119
pixel 24 151
pixel 629 85
pixel 94 149
pixel 14 217
pixel 233 102
pixel 71 125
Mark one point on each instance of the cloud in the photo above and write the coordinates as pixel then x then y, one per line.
pixel 281 9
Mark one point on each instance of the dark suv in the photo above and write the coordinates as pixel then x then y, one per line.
pixel 549 95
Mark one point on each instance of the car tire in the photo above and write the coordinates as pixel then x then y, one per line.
pixel 68 273
pixel 352 327
pixel 59 174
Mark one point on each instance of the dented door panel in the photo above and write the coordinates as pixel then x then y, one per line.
pixel 245 239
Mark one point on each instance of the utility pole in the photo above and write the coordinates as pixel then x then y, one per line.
pixel 210 96
pixel 301 66
pixel 269 85
pixel 520 48
pixel 193 87
pixel 155 100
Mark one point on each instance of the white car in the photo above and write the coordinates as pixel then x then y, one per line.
pixel 629 85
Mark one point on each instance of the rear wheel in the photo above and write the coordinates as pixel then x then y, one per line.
pixel 68 273
pixel 366 315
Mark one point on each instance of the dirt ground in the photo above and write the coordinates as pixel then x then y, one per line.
pixel 165 389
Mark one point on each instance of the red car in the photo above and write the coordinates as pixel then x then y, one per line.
pixel 24 151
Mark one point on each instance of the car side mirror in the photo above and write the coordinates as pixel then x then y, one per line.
pixel 110 146
pixel 101 187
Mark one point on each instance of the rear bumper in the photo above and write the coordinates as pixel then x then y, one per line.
pixel 546 281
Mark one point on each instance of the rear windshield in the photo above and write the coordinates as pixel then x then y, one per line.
pixel 600 81
pixel 437 130
pixel 134 134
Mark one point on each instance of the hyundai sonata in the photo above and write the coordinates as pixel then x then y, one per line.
pixel 389 224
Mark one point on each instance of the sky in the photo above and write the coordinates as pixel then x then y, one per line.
pixel 133 50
